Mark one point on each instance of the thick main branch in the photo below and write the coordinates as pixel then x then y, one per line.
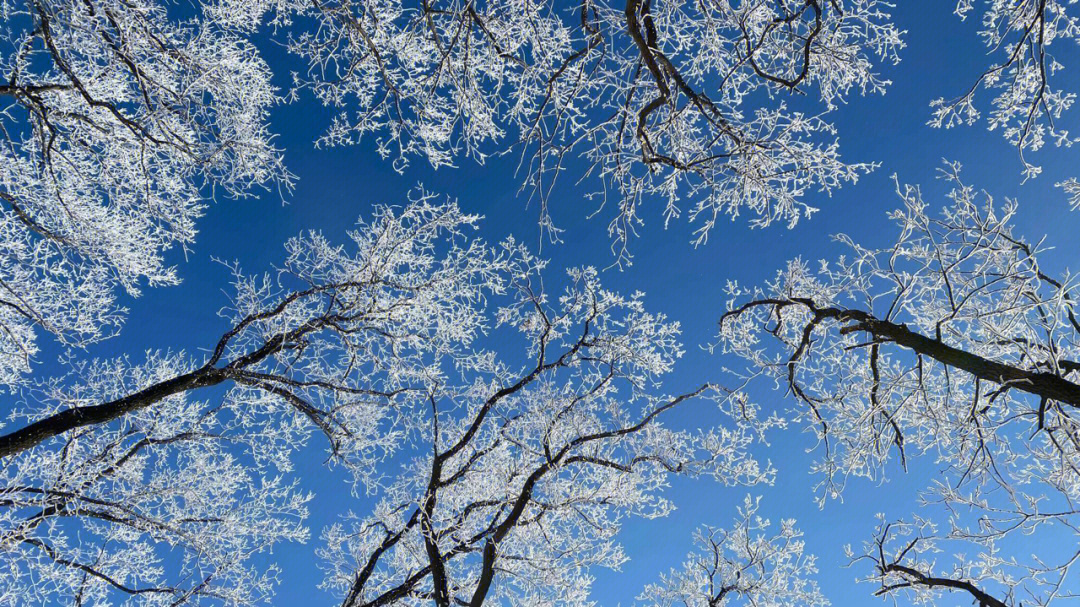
pixel 1039 383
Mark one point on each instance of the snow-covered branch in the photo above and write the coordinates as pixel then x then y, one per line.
pixel 116 120
pixel 682 103
pixel 745 564
pixel 526 474
pixel 1024 38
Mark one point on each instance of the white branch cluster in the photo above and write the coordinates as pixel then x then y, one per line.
pixel 123 482
pixel 525 474
pixel 115 119
pixel 506 429
pixel 675 101
pixel 953 342
pixel 742 565
pixel 173 504
pixel 1027 102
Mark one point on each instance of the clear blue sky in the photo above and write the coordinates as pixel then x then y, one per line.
pixel 335 186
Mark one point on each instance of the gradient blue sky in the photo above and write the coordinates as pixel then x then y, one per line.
pixel 335 186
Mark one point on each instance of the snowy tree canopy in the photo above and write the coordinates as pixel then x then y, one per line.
pixel 115 119
pixel 951 343
pixel 423 407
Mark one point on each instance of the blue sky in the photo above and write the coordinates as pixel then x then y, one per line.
pixel 942 58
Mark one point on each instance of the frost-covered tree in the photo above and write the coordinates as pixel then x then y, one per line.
pixel 525 472
pixel 1030 43
pixel 694 104
pixel 158 482
pixel 171 504
pixel 742 565
pixel 954 341
pixel 117 118
pixel 906 562
pixel 340 334
pixel 144 482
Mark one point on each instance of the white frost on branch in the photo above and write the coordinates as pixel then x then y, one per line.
pixel 1025 75
pixel 534 428
pixel 1071 187
pixel 524 474
pixel 688 104
pixel 173 504
pixel 953 342
pixel 143 483
pixel 116 121
pixel 745 564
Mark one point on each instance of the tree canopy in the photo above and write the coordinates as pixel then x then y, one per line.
pixel 435 410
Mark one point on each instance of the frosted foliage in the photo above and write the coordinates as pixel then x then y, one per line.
pixel 963 282
pixel 120 485
pixel 1071 187
pixel 526 472
pixel 746 564
pixel 685 103
pixel 956 343
pixel 115 121
pixel 495 425
pixel 173 504
pixel 1027 41
pixel 922 562
pixel 348 330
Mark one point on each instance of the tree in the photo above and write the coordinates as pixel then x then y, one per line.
pixel 503 421
pixel 170 504
pixel 952 341
pixel 906 565
pixel 523 477
pixel 121 467
pixel 742 565
pixel 115 119
pixel 142 481
pixel 1027 105
pixel 671 100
